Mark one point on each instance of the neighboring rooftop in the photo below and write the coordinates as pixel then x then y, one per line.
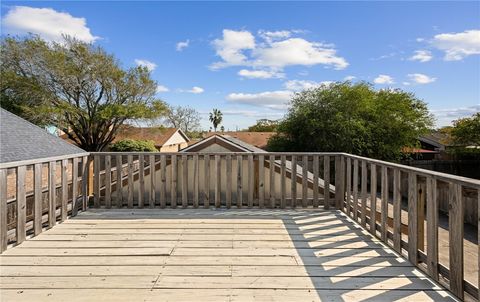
pixel 224 141
pixel 21 140
pixel 257 139
pixel 159 135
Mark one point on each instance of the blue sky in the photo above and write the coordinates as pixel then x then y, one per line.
pixel 248 58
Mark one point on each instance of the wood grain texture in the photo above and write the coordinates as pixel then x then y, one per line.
pixel 412 218
pixel 21 218
pixel 64 190
pixel 119 186
pixel 108 181
pixel 52 202
pixel 373 199
pixel 37 199
pixel 363 212
pixel 456 234
pixel 397 208
pixel 432 228
pixel 3 210
pixel 297 267
pixel 326 182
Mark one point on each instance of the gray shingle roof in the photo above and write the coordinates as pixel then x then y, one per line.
pixel 22 140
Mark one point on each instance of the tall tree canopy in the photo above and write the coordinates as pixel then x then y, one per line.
pixel 466 131
pixel 185 118
pixel 353 118
pixel 264 125
pixel 75 86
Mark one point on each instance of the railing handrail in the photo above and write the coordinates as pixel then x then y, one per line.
pixel 466 181
pixel 33 161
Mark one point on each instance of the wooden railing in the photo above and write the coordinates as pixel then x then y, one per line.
pixel 374 189
pixel 214 179
pixel 396 203
pixel 35 194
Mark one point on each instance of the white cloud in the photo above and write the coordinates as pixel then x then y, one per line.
pixel 458 45
pixel 446 116
pixel 230 48
pixel 349 78
pixel 297 51
pixel 298 85
pixel 420 78
pixel 238 48
pixel 270 99
pixel 150 65
pixel 47 23
pixel 406 83
pixel 422 56
pixel 269 36
pixel 161 88
pixel 195 90
pixel 182 45
pixel 383 79
pixel 260 74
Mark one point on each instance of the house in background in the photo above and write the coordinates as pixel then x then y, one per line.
pixel 165 139
pixel 240 167
pixel 257 139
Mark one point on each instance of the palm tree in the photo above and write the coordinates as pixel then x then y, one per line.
pixel 216 118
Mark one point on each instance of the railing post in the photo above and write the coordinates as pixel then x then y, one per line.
pixel 421 215
pixel 456 234
pixel 339 181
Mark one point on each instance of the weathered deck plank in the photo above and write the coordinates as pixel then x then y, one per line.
pixel 205 255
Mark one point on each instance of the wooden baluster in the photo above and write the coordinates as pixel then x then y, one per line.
pixel 355 190
pixel 412 218
pixel 239 180
pixel 397 211
pixel 52 202
pixel 384 217
pixel 294 181
pixel 37 202
pixel 196 178
pixel 272 182
pixel 228 189
pixel 304 181
pixel 315 181
pixel 456 234
pixel 373 199
pixel 163 179
pixel 421 215
pixel 119 186
pixel 184 181
pixel 21 205
pixel 326 179
pixel 64 212
pixel 206 188
pixel 85 176
pixel 3 210
pixel 108 181
pixel 363 212
pixel 432 228
pixel 96 181
pixel 340 182
pixel 218 181
pixel 283 181
pixel 141 181
pixel 173 188
pixel 349 187
pixel 153 181
pixel 261 184
pixel 130 181
pixel 251 180
pixel 74 186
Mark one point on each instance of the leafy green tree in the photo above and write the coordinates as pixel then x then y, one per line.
pixel 75 86
pixel 466 131
pixel 130 145
pixel 216 117
pixel 353 118
pixel 264 125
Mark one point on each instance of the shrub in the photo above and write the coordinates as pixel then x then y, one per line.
pixel 130 145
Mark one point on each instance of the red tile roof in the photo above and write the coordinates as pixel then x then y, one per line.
pixel 257 139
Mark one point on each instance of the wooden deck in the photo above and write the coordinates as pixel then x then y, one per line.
pixel 210 255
